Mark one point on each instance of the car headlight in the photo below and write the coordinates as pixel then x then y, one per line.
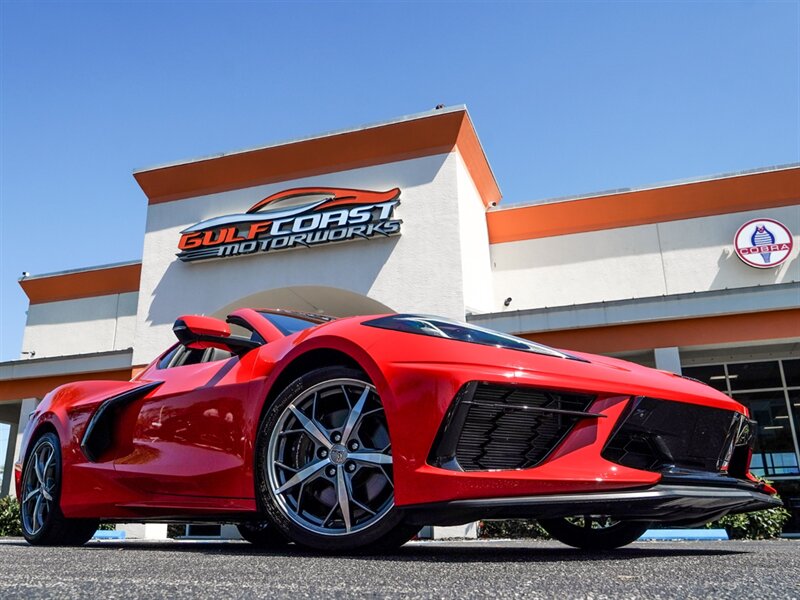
pixel 462 332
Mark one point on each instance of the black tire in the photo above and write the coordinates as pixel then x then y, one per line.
pixel 615 535
pixel 384 529
pixel 43 523
pixel 262 534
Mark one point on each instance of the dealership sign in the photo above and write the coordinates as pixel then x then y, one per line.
pixel 763 243
pixel 293 218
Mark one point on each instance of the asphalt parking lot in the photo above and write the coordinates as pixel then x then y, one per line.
pixel 532 569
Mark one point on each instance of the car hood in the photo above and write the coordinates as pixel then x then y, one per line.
pixel 579 371
pixel 634 379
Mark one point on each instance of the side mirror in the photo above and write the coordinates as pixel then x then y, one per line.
pixel 199 333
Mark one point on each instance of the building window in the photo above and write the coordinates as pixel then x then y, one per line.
pixel 755 376
pixel 791 370
pixel 770 389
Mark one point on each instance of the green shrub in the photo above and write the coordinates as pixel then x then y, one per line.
pixel 512 528
pixel 758 525
pixel 175 530
pixel 9 517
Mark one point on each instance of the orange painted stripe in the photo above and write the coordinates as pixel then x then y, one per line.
pixel 746 327
pixel 426 136
pixel 19 389
pixel 83 284
pixel 670 203
pixel 469 146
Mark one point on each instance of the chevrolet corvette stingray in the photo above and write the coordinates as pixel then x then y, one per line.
pixel 350 434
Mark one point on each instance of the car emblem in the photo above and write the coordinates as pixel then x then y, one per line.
pixel 338 455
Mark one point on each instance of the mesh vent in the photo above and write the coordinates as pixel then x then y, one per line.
pixel 506 427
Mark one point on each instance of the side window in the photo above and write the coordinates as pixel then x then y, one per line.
pixel 181 356
pixel 189 356
pixel 242 329
pixel 167 359
pixel 215 354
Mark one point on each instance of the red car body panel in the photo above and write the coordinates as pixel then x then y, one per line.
pixel 186 448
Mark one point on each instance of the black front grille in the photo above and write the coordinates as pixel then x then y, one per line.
pixel 660 435
pixel 492 426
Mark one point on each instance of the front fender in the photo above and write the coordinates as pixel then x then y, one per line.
pixel 351 349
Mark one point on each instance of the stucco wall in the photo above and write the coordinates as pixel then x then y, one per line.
pixel 82 326
pixel 476 264
pixel 689 255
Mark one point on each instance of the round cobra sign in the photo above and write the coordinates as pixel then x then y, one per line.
pixel 763 243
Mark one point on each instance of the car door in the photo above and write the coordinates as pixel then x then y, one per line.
pixel 188 437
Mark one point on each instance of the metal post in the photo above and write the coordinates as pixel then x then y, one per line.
pixel 8 466
pixel 668 359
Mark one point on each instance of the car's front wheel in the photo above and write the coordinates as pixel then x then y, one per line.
pixel 594 532
pixel 324 464
pixel 43 523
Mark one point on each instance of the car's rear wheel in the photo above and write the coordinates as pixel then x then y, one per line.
pixel 262 534
pixel 43 523
pixel 594 532
pixel 324 464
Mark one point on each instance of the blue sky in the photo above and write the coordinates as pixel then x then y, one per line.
pixel 566 97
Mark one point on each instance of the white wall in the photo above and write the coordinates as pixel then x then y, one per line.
pixel 699 255
pixel 86 325
pixel 689 255
pixel 422 269
pixel 476 263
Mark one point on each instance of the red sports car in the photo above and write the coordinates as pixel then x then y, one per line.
pixel 351 434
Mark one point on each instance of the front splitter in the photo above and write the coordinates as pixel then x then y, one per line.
pixel 674 504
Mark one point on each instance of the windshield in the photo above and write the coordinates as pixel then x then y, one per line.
pixel 291 322
pixel 463 332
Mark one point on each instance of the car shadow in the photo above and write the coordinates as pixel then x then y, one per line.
pixel 432 552
pixel 491 553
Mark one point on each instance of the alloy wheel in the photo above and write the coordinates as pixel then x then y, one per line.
pixel 38 488
pixel 594 532
pixel 329 461
pixel 592 522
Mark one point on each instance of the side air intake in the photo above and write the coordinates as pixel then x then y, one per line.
pixel 491 426
pixel 99 433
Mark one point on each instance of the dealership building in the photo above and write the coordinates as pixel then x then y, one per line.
pixel 700 277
